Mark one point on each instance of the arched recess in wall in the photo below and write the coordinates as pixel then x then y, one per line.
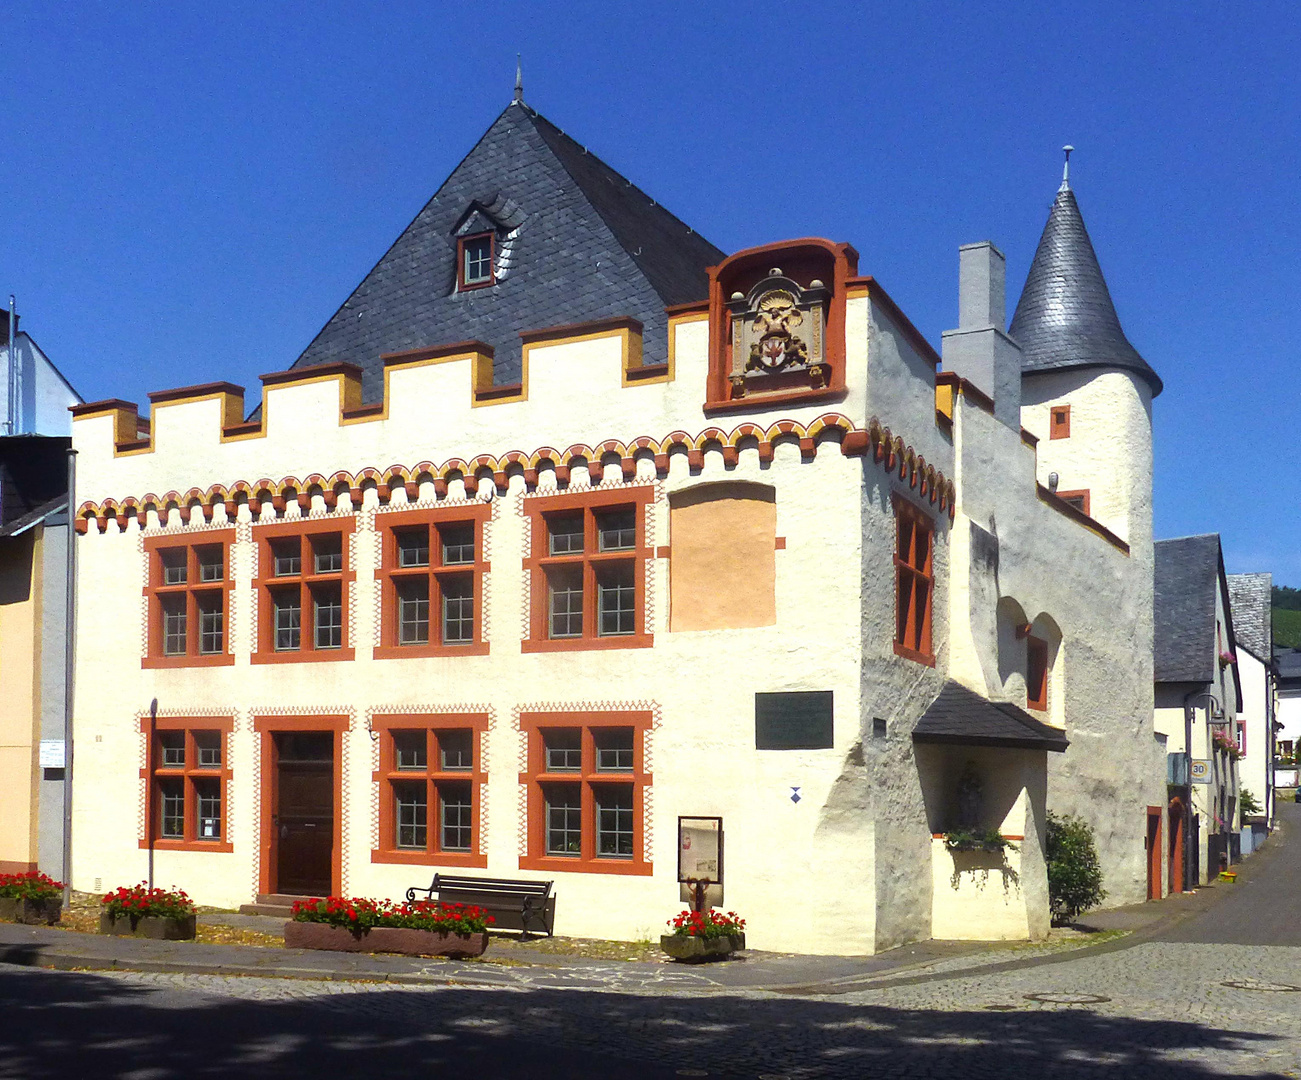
pixel 1012 621
pixel 722 562
pixel 1044 628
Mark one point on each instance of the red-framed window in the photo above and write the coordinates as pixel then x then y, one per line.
pixel 1078 499
pixel 914 581
pixel 586 788
pixel 430 775
pixel 188 774
pixel 475 256
pixel 1036 673
pixel 302 590
pixel 433 573
pixel 188 599
pixel 1059 422
pixel 587 568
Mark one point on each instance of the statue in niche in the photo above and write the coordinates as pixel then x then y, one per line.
pixel 778 331
pixel 970 798
pixel 776 347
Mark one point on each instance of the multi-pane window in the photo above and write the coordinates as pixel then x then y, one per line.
pixel 588 565
pixel 189 779
pixel 303 577
pixel 431 774
pixel 914 582
pixel 188 589
pixel 476 260
pixel 434 570
pixel 586 782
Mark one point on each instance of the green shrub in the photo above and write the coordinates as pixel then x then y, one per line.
pixel 1247 802
pixel 1074 876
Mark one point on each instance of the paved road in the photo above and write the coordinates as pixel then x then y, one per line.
pixel 1265 908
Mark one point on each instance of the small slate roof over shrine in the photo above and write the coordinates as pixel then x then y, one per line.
pixel 1065 318
pixel 961 716
pixel 576 242
pixel 1187 575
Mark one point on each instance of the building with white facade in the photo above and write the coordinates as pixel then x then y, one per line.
pixel 1198 698
pixel 568 529
pixel 1254 632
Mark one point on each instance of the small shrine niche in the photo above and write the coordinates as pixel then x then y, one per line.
pixel 779 332
pixel 777 325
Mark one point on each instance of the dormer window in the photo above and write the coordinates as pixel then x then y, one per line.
pixel 475 262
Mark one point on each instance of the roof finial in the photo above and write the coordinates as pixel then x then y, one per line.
pixel 519 79
pixel 1066 169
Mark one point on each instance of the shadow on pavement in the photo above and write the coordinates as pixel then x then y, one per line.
pixel 61 1025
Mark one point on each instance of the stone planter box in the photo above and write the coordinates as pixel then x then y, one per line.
pixel 33 912
pixel 159 927
pixel 387 939
pixel 695 950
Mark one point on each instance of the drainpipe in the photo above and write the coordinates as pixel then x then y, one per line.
pixel 1189 709
pixel 69 665
pixel 15 374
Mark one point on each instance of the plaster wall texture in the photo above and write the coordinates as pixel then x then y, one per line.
pixel 859 837
pixel 705 712
pixel 1257 763
pixel 20 660
pixel 44 396
pixel 1093 602
pixel 1109 451
pixel 53 678
pixel 574 396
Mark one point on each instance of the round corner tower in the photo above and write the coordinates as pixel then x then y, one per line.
pixel 1085 391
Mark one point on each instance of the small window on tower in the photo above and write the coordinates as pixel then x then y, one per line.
pixel 475 261
pixel 1059 422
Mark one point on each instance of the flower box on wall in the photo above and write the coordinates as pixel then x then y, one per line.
pixel 159 927
pixel 33 912
pixel 697 949
pixel 389 939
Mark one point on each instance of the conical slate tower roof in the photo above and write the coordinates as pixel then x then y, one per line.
pixel 1065 318
pixel 577 242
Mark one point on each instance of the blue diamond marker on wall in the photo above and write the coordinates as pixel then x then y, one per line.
pixel 795 794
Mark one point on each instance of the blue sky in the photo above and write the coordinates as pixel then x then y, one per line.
pixel 191 190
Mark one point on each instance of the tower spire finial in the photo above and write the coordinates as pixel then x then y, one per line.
pixel 1066 168
pixel 519 79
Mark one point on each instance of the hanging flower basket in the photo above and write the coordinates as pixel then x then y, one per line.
pixel 990 840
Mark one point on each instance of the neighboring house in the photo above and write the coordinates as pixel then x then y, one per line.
pixel 34 395
pixel 33 660
pixel 1198 699
pixel 571 545
pixel 1287 739
pixel 1253 627
pixel 34 427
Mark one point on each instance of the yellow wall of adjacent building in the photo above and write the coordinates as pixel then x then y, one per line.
pixel 20 621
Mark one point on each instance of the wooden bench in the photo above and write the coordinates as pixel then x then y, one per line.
pixel 515 905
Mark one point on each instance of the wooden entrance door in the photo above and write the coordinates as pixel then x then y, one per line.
pixel 302 845
pixel 1178 882
pixel 1155 853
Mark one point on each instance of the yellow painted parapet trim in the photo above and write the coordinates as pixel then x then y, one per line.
pixel 886 449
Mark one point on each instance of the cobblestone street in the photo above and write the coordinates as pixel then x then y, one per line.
pixel 1167 1014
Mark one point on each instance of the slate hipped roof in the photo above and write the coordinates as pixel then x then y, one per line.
pixel 584 244
pixel 1251 597
pixel 959 715
pixel 1065 318
pixel 1188 572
